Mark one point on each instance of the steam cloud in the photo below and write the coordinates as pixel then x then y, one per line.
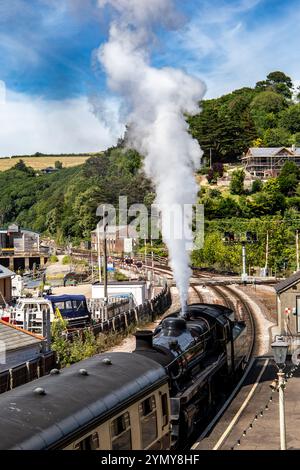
pixel 156 101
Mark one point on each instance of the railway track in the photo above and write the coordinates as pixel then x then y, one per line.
pixel 226 295
pixel 199 296
pixel 249 318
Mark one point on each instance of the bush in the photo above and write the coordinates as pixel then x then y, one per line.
pixel 66 260
pixel 256 186
pixel 237 182
pixel 53 259
pixel 120 276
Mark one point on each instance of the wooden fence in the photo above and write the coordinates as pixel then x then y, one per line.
pixel 30 370
pixel 26 372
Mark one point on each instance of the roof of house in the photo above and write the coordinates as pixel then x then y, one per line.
pixel 16 229
pixel 14 337
pixel 287 283
pixel 271 151
pixel 4 272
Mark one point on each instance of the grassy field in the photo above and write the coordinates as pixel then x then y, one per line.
pixel 37 163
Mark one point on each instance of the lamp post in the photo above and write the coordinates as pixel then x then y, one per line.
pixel 104 223
pixel 279 348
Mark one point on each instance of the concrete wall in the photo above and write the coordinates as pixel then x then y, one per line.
pixel 289 322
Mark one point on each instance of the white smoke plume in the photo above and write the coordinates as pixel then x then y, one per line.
pixel 157 100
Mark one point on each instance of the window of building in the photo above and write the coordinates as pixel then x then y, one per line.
pixel 148 420
pixel 90 442
pixel 121 433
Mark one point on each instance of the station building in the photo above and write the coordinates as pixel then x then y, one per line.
pixel 119 239
pixel 288 305
pixel 21 248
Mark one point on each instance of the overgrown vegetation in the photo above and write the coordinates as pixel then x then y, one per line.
pixel 63 205
pixel 84 345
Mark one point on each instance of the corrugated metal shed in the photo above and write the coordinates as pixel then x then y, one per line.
pixel 15 338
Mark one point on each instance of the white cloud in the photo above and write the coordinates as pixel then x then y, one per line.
pixel 31 124
pixel 228 53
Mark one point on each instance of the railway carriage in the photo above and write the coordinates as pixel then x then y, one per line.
pixel 118 401
pixel 153 398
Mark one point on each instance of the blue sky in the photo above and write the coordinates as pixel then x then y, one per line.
pixel 49 71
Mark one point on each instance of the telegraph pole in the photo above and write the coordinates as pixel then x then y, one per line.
pixel 145 249
pixel 99 252
pixel 105 260
pixel 92 265
pixel 267 253
pixel 152 255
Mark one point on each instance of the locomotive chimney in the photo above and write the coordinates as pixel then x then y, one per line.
pixel 144 339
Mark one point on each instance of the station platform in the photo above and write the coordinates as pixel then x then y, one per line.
pixel 251 421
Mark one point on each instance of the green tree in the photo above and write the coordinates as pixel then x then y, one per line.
pixel 278 82
pixel 288 178
pixel 256 186
pixel 58 165
pixel 290 118
pixel 267 102
pixel 281 83
pixel 278 137
pixel 268 201
pixel 237 182
pixel 21 166
pixel 296 139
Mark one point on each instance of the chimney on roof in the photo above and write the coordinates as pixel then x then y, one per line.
pixel 293 148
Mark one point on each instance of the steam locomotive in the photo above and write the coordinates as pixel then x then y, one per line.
pixel 203 351
pixel 153 398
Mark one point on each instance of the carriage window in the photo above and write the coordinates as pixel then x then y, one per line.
pixel 90 442
pixel 148 419
pixel 78 305
pixel 164 409
pixel 59 305
pixel 121 433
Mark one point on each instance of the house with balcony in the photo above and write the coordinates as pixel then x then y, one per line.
pixel 266 162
